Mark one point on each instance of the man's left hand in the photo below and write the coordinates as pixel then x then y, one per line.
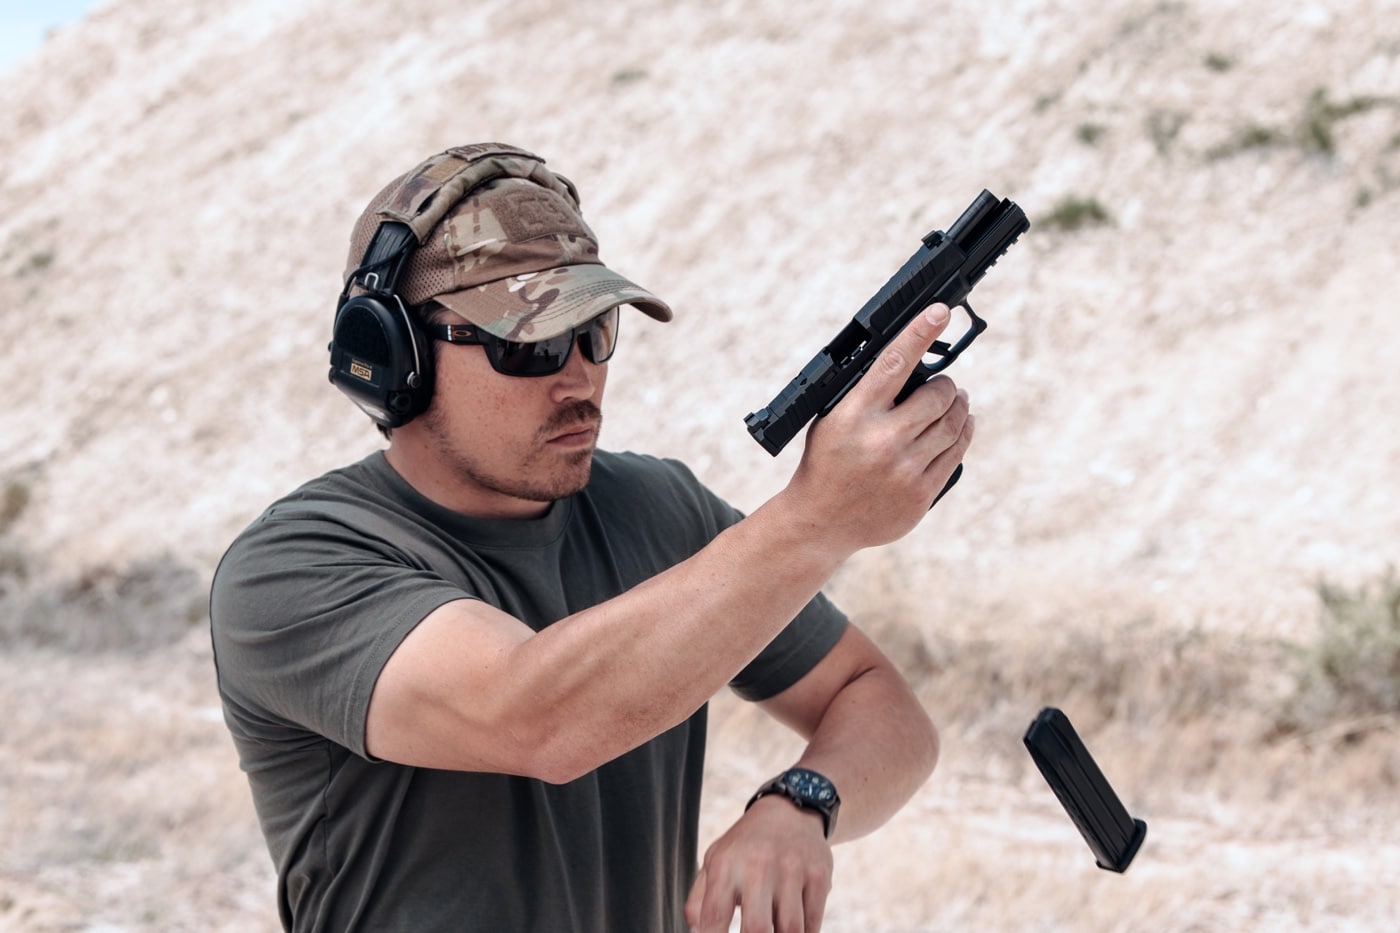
pixel 774 865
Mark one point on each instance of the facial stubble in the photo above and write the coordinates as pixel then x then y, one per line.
pixel 541 474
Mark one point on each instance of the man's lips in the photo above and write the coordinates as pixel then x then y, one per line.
pixel 574 424
pixel 574 434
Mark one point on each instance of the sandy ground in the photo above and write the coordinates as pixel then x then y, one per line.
pixel 1186 409
pixel 126 812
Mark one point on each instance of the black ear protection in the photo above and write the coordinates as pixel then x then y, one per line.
pixel 380 355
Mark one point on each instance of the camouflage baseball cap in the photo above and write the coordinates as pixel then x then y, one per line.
pixel 501 242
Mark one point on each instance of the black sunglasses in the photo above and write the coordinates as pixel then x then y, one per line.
pixel 538 357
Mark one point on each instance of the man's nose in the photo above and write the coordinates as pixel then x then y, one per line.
pixel 580 377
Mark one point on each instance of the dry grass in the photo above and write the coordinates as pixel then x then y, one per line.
pixel 123 802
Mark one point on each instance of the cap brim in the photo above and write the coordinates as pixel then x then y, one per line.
pixel 544 304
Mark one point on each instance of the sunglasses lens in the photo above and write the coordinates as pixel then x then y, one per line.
pixel 537 358
pixel 600 335
pixel 548 356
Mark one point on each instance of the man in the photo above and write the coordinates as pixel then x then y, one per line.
pixel 467 676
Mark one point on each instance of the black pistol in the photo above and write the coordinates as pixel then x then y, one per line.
pixel 943 269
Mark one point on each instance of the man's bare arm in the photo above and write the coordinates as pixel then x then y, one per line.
pixel 865 730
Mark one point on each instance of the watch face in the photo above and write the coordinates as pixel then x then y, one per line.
pixel 810 785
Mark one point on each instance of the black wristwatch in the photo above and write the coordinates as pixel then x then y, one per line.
pixel 808 790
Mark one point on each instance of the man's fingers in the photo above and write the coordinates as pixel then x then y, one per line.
pixel 694 900
pixel 897 361
pixel 814 906
pixel 942 465
pixel 772 867
pixel 948 418
pixel 789 907
pixel 715 908
pixel 710 907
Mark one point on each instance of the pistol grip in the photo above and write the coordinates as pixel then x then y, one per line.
pixel 922 373
pixel 952 481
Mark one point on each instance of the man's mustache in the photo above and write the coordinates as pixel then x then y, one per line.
pixel 579 413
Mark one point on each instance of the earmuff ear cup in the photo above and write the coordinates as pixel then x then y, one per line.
pixel 381 359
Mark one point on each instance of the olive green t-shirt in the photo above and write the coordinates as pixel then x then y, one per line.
pixel 309 603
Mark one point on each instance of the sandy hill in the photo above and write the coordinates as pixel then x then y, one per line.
pixel 1193 390
pixel 1187 396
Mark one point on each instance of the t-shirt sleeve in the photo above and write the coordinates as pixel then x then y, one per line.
pixel 305 613
pixel 797 649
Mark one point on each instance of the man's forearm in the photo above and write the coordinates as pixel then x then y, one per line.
pixel 866 732
pixel 876 743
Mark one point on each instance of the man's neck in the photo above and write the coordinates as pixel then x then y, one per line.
pixel 435 481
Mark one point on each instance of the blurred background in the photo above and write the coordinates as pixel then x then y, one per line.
pixel 1179 519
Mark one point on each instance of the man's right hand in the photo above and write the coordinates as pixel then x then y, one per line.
pixel 871 468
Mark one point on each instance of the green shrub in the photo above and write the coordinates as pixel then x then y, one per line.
pixel 100 610
pixel 1358 654
pixel 37 262
pixel 1073 213
pixel 1345 682
pixel 1322 114
pixel 1254 136
pixel 13 503
pixel 1217 61
pixel 628 76
pixel 1089 133
pixel 1163 127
